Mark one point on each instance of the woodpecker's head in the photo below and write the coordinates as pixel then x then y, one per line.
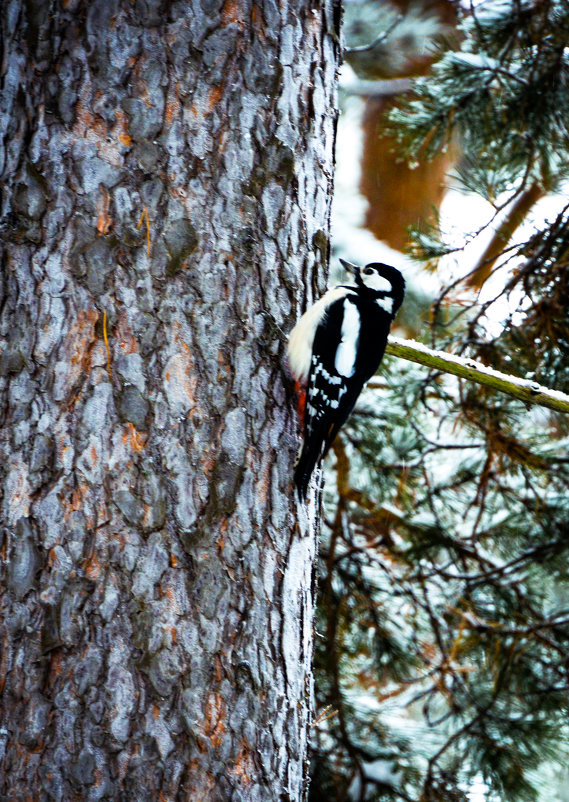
pixel 381 281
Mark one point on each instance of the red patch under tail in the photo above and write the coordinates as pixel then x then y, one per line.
pixel 301 392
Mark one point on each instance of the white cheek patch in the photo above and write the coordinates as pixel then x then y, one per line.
pixel 345 362
pixel 386 304
pixel 377 282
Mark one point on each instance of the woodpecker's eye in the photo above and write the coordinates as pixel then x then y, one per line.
pixel 368 271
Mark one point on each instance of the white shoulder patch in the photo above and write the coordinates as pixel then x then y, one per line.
pixel 386 304
pixel 301 338
pixel 345 362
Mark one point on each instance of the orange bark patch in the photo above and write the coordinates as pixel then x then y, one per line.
pixel 218 668
pixel 122 127
pixel 56 664
pixel 136 439
pixel 74 502
pixel 244 765
pixel 81 336
pixel 208 464
pixel 104 220
pixel 124 336
pixel 77 350
pixel 215 94
pixel 99 777
pixel 85 121
pixel 232 11
pixel 92 568
pixel 257 17
pixel 128 344
pixel 92 128
pixel 214 719
pixel 102 511
pixel 173 106
pixel 144 216
pixel 147 512
pixel 222 533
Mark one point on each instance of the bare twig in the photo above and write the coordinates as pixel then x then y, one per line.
pixel 383 36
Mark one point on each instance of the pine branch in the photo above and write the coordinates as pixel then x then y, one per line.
pixel 528 391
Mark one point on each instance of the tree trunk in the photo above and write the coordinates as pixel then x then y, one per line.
pixel 166 174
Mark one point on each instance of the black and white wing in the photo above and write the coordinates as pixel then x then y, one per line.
pixel 333 383
pixel 301 339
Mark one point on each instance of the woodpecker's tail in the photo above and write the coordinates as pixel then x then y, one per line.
pixel 303 471
pixel 309 457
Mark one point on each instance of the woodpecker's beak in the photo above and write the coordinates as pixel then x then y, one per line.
pixel 349 266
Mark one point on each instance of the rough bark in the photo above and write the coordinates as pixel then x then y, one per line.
pixel 166 174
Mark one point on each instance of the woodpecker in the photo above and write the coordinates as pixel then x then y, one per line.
pixel 336 346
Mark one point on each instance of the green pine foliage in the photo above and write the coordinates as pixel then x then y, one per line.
pixel 442 648
pixel 505 90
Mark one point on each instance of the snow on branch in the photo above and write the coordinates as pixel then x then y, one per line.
pixel 529 391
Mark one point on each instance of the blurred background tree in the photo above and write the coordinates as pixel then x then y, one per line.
pixel 442 643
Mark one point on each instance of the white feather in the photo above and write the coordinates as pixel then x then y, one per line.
pixel 386 304
pixel 376 282
pixel 345 362
pixel 301 338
